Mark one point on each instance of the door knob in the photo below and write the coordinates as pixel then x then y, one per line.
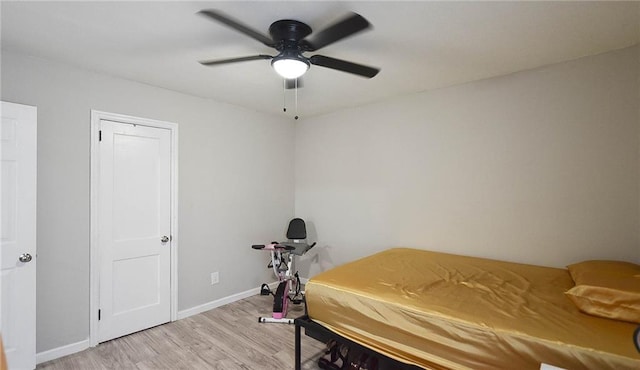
pixel 164 239
pixel 25 257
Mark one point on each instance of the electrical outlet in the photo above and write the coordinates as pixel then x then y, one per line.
pixel 215 278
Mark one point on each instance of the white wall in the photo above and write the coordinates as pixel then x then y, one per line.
pixel 539 167
pixel 225 205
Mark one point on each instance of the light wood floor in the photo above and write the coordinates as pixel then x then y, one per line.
pixel 228 337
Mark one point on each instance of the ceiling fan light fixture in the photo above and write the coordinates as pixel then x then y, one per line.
pixel 290 68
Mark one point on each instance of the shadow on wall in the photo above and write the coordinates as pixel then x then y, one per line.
pixel 318 259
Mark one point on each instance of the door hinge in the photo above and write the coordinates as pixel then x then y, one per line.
pixel 100 135
pixel 99 314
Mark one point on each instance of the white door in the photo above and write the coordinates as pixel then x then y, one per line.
pixel 134 228
pixel 18 230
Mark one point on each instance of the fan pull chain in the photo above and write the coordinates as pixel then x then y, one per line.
pixel 296 88
pixel 284 95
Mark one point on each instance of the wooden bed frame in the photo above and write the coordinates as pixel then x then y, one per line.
pixel 318 332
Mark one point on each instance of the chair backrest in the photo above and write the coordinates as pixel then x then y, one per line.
pixel 297 229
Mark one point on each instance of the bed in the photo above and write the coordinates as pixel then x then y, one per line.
pixel 434 310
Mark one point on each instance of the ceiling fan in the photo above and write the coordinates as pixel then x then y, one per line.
pixel 289 38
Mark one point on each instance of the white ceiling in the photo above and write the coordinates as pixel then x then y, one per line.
pixel 418 45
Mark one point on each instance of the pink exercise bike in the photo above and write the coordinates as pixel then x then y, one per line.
pixel 283 265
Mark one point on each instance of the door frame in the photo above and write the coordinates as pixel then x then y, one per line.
pixel 94 281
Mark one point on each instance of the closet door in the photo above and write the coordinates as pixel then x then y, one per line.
pixel 134 202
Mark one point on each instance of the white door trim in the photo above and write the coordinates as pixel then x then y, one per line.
pixel 96 117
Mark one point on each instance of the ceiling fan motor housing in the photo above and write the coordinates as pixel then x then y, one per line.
pixel 287 34
pixel 289 30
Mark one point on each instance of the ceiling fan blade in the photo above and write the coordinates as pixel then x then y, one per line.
pixel 344 66
pixel 291 83
pixel 234 60
pixel 348 26
pixel 226 20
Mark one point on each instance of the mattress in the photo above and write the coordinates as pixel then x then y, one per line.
pixel 444 311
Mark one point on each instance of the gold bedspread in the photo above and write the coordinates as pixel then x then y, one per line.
pixel 440 310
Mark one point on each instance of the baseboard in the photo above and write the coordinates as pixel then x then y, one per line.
pixel 72 348
pixel 221 302
pixel 69 349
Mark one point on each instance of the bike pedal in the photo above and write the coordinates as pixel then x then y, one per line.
pixel 297 301
pixel 264 290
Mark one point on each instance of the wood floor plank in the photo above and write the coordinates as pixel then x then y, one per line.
pixel 228 337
